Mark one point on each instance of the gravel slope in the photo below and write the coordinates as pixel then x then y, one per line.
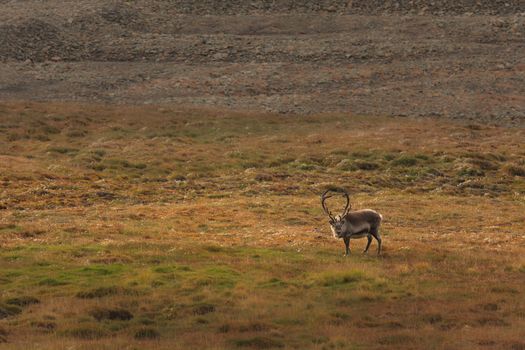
pixel 454 59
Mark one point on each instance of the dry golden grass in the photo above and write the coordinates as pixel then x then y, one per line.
pixel 163 228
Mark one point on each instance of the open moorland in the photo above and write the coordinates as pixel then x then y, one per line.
pixel 168 228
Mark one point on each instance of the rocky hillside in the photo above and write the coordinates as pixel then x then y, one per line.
pixel 459 59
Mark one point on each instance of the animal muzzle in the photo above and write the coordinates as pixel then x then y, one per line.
pixel 337 234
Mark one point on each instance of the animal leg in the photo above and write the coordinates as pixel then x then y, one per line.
pixel 368 243
pixel 347 245
pixel 375 232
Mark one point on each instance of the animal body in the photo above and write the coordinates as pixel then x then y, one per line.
pixel 353 224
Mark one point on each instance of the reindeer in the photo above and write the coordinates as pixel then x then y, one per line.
pixel 353 224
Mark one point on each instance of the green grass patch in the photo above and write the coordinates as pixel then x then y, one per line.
pixel 217 277
pixel 9 310
pixel 405 161
pixel 52 282
pixel 147 334
pixel 112 314
pixel 514 170
pixel 203 309
pixel 101 270
pixel 99 292
pixel 274 283
pixel 22 301
pixel 334 279
pixel 117 164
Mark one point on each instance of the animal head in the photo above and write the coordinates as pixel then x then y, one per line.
pixel 338 226
pixel 337 222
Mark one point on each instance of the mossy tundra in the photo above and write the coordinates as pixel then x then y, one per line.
pixel 167 228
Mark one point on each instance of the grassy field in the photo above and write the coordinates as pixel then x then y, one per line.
pixel 164 228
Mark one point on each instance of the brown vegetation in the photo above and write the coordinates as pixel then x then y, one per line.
pixel 180 228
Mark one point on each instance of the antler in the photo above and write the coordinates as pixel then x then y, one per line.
pixel 347 206
pixel 324 197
